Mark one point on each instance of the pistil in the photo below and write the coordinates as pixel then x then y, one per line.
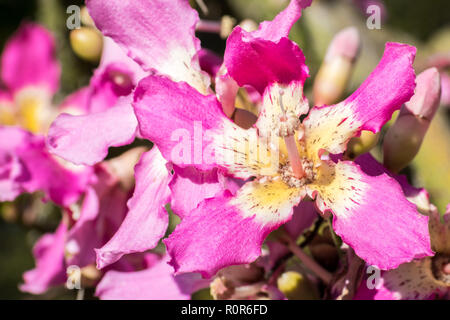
pixel 291 145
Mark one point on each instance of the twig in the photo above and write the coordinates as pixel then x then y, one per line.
pixel 323 274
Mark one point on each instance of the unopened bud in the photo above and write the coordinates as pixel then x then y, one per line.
pixel 87 43
pixel 226 26
pixel 405 136
pixel 296 286
pixel 90 275
pixel 249 25
pixel 362 144
pixel 86 18
pixel 445 89
pixel 334 73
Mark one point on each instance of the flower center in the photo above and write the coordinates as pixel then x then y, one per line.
pixel 441 268
pixel 288 176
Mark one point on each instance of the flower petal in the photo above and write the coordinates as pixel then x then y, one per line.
pixel 85 139
pixel 266 55
pixel 229 230
pixel 191 129
pixel 372 215
pixel 76 103
pixel 410 281
pixel 190 186
pixel 368 108
pixel 158 34
pixel 29 59
pixel 147 219
pixel 281 25
pixel 50 267
pixel 155 283
pixel 259 63
pixel 31 168
pixel 281 101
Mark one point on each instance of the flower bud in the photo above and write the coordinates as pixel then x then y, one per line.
pixel 249 25
pixel 87 43
pixel 90 275
pixel 226 26
pixel 334 73
pixel 86 18
pixel 362 144
pixel 296 286
pixel 405 136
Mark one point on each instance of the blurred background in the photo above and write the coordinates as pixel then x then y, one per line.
pixel 424 24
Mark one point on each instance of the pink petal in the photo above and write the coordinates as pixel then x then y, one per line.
pixel 103 210
pixel 266 55
pixel 85 139
pixel 116 76
pixel 259 62
pixel 32 168
pixel 50 268
pixel 168 111
pixel 105 91
pixel 147 219
pixel 148 30
pixel 228 230
pixel 77 102
pixel 372 215
pixel 29 59
pixel 209 61
pixel 410 281
pixel 445 89
pixel 390 85
pixel 155 283
pixel 214 236
pixel 190 186
pixel 82 237
pixel 281 25
pixel 190 129
pixel 113 53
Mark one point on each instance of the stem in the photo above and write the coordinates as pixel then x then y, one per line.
pixel 202 7
pixel 335 239
pixel 294 157
pixel 323 274
pixel 209 26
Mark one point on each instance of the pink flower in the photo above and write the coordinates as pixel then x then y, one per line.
pixel 156 282
pixel 30 72
pixel 426 278
pixel 86 226
pixel 370 212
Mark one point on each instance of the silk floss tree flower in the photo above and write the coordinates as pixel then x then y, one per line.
pixel 383 228
pixel 30 76
pixel 267 60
